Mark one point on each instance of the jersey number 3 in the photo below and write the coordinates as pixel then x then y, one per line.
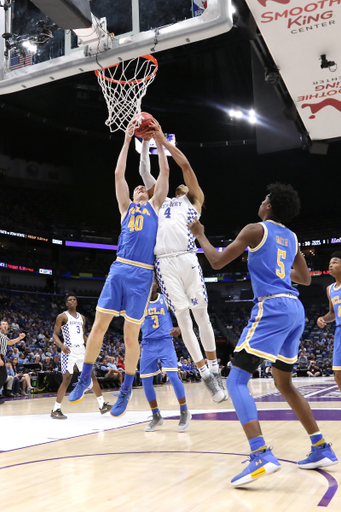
pixel 156 322
pixel 280 272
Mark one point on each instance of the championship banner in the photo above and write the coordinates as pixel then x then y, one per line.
pixel 304 39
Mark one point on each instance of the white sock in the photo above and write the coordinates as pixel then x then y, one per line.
pixel 204 371
pixel 56 406
pixel 213 365
pixel 100 401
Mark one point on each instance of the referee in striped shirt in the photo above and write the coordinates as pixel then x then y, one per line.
pixel 4 341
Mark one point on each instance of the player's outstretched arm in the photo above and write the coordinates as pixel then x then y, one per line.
pixel 162 183
pixel 251 235
pixel 144 168
pixel 322 321
pixel 121 185
pixel 195 193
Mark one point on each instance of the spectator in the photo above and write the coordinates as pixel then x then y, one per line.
pixel 327 368
pixel 313 369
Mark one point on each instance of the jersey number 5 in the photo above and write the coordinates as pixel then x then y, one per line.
pixel 280 272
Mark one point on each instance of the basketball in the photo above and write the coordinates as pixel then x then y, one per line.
pixel 144 127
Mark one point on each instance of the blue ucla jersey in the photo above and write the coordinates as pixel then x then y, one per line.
pixel 271 261
pixel 335 297
pixel 138 234
pixel 157 322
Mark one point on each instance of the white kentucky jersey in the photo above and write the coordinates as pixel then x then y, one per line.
pixel 173 235
pixel 73 330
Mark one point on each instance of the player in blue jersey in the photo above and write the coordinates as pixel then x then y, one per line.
pixel 127 288
pixel 157 344
pixel 334 313
pixel 275 327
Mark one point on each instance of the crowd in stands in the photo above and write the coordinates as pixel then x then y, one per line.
pixel 35 315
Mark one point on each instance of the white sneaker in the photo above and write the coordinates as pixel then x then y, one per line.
pixel 213 387
pixel 157 421
pixel 221 385
pixel 185 418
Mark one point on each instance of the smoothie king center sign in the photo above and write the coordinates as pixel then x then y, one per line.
pixel 297 33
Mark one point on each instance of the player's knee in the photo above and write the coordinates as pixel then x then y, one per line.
pixel 130 341
pixel 237 378
pixel 284 385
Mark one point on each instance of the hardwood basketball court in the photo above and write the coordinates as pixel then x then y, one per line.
pixel 96 462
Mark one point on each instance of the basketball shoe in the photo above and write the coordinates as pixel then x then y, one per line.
pixel 185 418
pixel 319 457
pixel 220 383
pixel 58 415
pixel 212 385
pixel 120 407
pixel 105 408
pixel 262 463
pixel 82 385
pixel 157 421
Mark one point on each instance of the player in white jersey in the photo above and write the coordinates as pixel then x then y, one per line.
pixel 177 267
pixel 72 325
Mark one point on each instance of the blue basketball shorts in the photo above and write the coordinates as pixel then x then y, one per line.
pixel 274 330
pixel 337 349
pixel 126 292
pixel 154 351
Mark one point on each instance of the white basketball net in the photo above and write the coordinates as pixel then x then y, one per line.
pixel 123 87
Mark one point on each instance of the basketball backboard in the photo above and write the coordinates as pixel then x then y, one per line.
pixel 36 51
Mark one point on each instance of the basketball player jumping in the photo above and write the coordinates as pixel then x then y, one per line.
pixel 274 329
pixel 178 269
pixel 334 313
pixel 127 288
pixel 72 325
pixel 157 344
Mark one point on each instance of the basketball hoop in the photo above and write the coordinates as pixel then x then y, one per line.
pixel 123 86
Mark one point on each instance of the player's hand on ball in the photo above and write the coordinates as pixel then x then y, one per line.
pixel 196 227
pixel 155 131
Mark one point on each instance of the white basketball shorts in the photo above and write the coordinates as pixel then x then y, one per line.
pixel 181 282
pixel 76 356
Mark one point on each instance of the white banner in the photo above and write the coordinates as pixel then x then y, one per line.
pixel 297 33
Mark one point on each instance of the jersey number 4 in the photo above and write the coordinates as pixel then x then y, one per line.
pixel 168 213
pixel 280 272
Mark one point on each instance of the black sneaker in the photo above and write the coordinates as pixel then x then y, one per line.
pixel 105 408
pixel 58 415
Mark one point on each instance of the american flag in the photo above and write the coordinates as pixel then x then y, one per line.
pixel 20 61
